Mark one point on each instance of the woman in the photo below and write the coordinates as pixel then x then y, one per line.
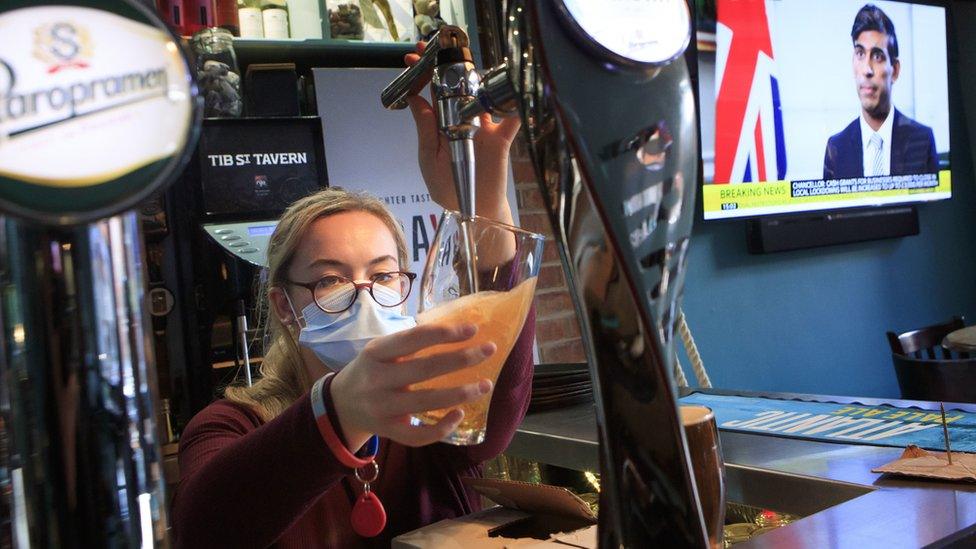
pixel 257 468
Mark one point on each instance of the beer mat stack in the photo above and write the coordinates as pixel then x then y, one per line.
pixel 819 418
pixel 919 463
pixel 560 385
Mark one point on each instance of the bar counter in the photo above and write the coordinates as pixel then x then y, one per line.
pixel 831 485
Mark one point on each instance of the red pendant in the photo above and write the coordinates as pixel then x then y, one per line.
pixel 368 516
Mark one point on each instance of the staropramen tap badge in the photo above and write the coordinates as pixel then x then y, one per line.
pixel 97 110
pixel 62 46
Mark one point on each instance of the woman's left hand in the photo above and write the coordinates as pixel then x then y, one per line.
pixel 491 148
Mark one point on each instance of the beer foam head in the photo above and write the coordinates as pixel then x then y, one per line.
pixel 468 305
pixel 476 307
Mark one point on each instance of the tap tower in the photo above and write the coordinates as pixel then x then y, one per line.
pixel 80 459
pixel 607 109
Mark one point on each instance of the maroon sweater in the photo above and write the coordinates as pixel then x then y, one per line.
pixel 245 483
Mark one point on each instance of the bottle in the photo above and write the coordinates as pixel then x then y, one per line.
pixel 198 15
pixel 250 19
pixel 172 11
pixel 305 18
pixel 225 15
pixel 274 13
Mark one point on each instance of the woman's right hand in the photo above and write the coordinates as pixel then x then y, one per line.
pixel 371 395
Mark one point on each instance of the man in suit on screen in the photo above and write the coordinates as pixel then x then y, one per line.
pixel 882 140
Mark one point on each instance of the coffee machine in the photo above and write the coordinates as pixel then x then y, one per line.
pixel 608 112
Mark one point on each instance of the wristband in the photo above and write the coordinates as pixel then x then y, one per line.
pixel 329 435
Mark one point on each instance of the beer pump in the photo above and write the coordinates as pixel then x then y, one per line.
pixel 608 112
pixel 460 95
pixel 453 86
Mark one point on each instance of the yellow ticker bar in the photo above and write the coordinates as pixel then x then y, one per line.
pixel 747 196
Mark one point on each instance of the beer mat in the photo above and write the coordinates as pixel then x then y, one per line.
pixel 537 406
pixel 559 389
pixel 918 463
pixel 561 379
pixel 555 389
pixel 561 395
pixel 558 394
pixel 884 425
pixel 569 385
pixel 546 370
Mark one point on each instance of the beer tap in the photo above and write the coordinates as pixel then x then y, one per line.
pixel 461 95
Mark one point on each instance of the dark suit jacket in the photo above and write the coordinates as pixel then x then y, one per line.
pixel 912 150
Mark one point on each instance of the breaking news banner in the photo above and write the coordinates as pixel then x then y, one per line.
pixel 806 195
pixel 841 423
pixel 926 182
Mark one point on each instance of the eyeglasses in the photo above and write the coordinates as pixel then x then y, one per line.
pixel 335 294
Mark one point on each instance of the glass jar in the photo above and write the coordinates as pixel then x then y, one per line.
pixel 345 19
pixel 217 73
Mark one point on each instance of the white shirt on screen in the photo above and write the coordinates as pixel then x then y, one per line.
pixel 868 150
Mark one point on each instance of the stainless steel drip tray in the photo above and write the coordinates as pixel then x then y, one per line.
pixel 795 494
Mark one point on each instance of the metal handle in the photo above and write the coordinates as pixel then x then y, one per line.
pixel 409 82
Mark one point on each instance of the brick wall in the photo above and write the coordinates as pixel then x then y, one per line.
pixel 557 331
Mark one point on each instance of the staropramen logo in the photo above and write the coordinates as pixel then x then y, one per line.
pixel 88 98
pixel 62 46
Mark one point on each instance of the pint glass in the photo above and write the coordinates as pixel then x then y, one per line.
pixel 483 272
pixel 701 433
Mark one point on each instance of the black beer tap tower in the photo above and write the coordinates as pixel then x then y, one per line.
pixel 615 149
pixel 608 112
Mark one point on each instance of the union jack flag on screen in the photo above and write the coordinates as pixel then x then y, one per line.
pixel 749 143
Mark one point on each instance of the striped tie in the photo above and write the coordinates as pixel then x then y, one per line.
pixel 878 144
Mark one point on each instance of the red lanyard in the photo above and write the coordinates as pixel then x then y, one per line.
pixel 368 515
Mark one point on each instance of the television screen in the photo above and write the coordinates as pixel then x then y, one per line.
pixel 821 105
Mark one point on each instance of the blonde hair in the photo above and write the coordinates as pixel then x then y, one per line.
pixel 283 378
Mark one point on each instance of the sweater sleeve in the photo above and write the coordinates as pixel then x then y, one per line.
pixel 509 402
pixel 242 484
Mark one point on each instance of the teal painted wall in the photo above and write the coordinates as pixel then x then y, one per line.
pixel 814 321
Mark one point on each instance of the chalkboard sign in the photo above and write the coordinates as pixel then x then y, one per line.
pixel 253 168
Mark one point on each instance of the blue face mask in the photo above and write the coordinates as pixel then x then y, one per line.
pixel 337 338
